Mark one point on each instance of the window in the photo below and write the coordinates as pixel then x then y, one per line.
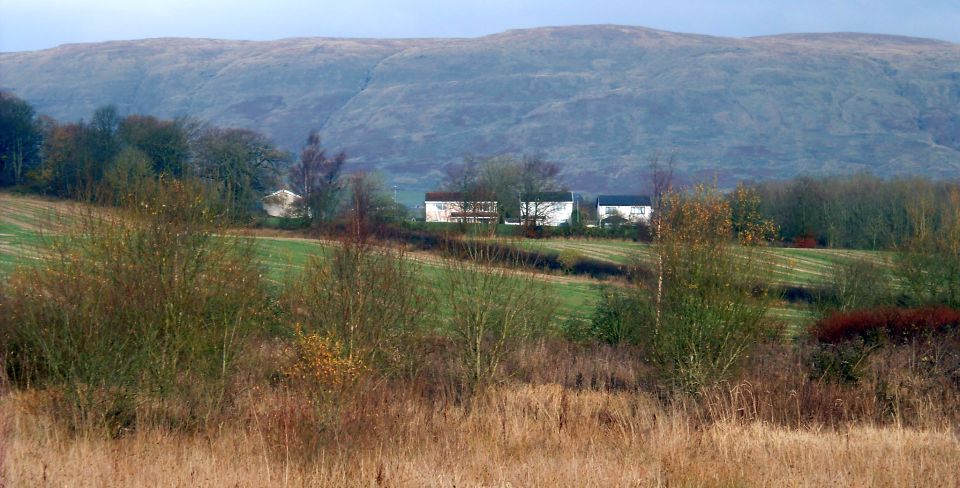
pixel 638 210
pixel 441 206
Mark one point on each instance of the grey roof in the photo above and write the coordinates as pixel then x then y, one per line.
pixel 623 201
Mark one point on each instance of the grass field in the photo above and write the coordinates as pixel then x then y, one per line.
pixel 25 222
pixel 783 265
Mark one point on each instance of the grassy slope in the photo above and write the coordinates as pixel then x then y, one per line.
pixel 24 224
pixel 786 266
pixel 25 220
pixel 286 257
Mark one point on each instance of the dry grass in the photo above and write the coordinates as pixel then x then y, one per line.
pixel 518 435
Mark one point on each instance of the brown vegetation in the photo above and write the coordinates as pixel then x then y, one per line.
pixel 892 323
pixel 572 417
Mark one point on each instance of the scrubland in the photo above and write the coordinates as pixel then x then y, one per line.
pixel 523 433
pixel 152 350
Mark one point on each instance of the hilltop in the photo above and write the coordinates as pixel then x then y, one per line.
pixel 598 99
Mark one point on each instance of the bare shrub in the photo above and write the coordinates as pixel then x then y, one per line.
pixel 137 314
pixel 491 310
pixel 856 285
pixel 369 300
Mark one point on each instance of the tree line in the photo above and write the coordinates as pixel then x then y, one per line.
pixel 860 211
pixel 111 157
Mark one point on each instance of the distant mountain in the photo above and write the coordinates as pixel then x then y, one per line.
pixel 599 99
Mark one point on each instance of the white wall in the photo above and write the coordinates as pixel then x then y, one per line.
pixel 553 213
pixel 640 213
pixel 443 211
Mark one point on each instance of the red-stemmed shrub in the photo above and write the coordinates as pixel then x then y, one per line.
pixel 893 323
pixel 805 241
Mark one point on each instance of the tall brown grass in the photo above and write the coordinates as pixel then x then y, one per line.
pixel 573 415
pixel 521 435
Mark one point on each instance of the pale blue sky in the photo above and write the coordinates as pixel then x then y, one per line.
pixel 39 24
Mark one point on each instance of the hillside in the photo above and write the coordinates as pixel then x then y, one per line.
pixel 599 99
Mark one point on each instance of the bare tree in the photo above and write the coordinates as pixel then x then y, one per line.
pixel 370 206
pixel 316 177
pixel 493 308
pixel 540 189
pixel 662 180
pixel 472 196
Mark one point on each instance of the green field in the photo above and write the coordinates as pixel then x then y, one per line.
pixel 787 266
pixel 285 258
pixel 26 222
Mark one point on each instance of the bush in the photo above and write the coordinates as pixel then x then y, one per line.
pixel 618 317
pixel 707 313
pixel 281 223
pixel 569 259
pixel 856 285
pixel 365 299
pixel 843 363
pixel 322 370
pixel 490 310
pixel 928 265
pixel 896 324
pixel 136 313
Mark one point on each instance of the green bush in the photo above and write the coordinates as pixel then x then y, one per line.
pixel 569 259
pixel 282 223
pixel 707 311
pixel 843 363
pixel 619 316
pixel 930 274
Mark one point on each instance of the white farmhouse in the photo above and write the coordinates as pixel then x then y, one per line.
pixel 632 208
pixel 281 203
pixel 547 208
pixel 443 206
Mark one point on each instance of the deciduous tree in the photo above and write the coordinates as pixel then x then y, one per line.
pixel 242 164
pixel 316 177
pixel 20 138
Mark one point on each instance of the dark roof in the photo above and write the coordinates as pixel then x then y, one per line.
pixel 549 196
pixel 457 196
pixel 623 200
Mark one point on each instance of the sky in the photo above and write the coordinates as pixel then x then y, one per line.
pixel 41 24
